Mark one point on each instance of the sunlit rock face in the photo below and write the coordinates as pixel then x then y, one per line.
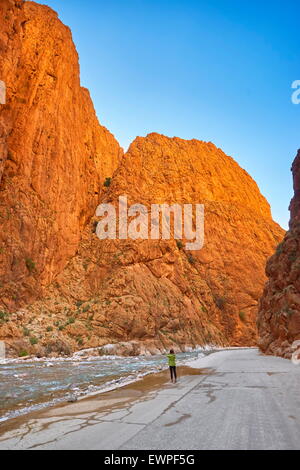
pixel 61 288
pixel 158 292
pixel 279 312
pixel 54 153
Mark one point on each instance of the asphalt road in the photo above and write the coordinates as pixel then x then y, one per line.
pixel 245 401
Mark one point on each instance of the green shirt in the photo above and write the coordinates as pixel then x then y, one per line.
pixel 172 360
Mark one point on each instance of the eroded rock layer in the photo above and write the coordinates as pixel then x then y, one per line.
pixel 156 292
pixel 279 312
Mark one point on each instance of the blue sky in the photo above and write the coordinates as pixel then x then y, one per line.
pixel 214 70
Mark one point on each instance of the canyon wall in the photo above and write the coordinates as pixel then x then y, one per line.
pixel 61 288
pixel 157 292
pixel 54 154
pixel 279 312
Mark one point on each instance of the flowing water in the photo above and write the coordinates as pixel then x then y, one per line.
pixel 30 385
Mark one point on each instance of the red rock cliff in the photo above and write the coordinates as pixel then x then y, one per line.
pixel 158 292
pixel 54 154
pixel 279 312
pixel 54 158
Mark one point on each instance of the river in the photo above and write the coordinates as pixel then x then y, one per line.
pixel 26 386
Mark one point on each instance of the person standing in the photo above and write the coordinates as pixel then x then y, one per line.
pixel 172 365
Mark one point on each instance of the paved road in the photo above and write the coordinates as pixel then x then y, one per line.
pixel 245 401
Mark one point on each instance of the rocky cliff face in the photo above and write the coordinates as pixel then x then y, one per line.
pixel 157 292
pixel 63 289
pixel 279 313
pixel 54 154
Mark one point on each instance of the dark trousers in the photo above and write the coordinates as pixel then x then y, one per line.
pixel 173 372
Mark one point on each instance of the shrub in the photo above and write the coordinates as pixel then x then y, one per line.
pixel 23 353
pixel 220 302
pixel 71 321
pixel 49 329
pixel 107 182
pixel 33 340
pixel 191 259
pixel 242 316
pixel 179 244
pixel 3 316
pixel 30 265
pixel 80 341
pixel 26 332
pixel 279 249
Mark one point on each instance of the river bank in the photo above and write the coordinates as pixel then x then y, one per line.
pixel 110 401
pixel 32 384
pixel 231 399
